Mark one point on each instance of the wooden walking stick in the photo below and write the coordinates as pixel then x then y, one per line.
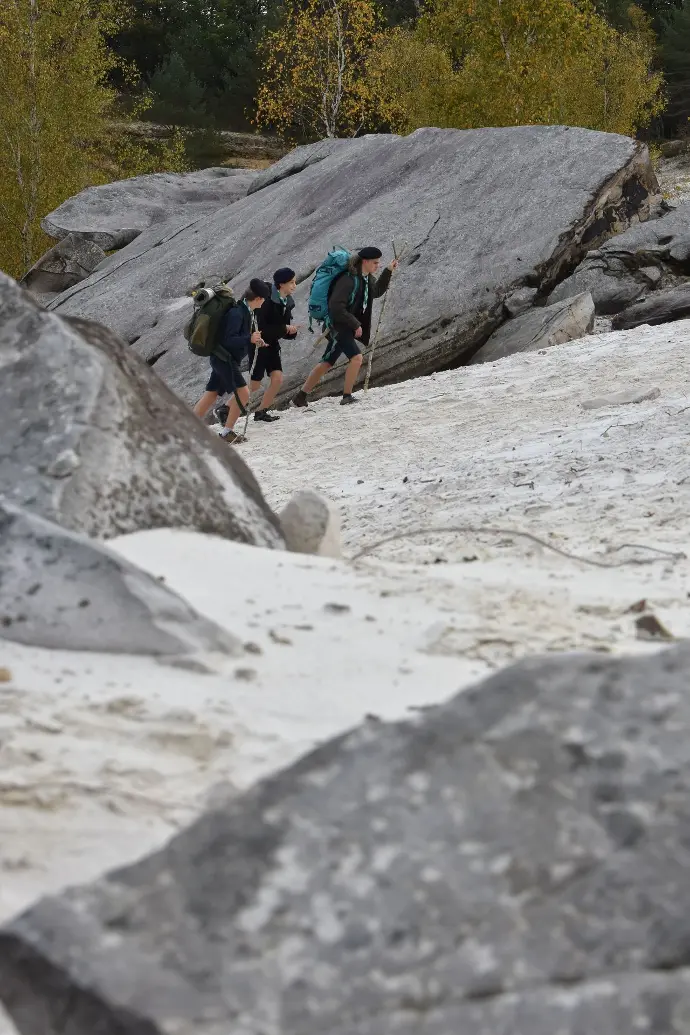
pixel 397 255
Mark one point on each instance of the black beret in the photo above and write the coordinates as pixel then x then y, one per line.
pixel 283 276
pixel 260 288
pixel 369 253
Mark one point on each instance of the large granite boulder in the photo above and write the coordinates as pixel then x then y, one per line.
pixel 484 213
pixel 64 591
pixel 515 861
pixel 540 328
pixel 67 263
pixel 113 214
pixel 661 307
pixel 649 256
pixel 93 440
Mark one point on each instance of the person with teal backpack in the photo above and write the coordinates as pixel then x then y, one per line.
pixel 341 299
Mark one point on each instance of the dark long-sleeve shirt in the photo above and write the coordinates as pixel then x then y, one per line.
pixel 238 326
pixel 356 313
pixel 275 316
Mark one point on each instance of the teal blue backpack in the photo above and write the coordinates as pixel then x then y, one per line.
pixel 335 263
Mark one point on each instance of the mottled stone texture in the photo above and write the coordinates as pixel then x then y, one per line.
pixel 90 438
pixel 512 863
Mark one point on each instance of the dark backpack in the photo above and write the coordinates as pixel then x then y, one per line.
pixel 203 330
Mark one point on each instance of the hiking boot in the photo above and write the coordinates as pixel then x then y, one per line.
pixel 221 413
pixel 300 399
pixel 347 400
pixel 264 415
pixel 233 439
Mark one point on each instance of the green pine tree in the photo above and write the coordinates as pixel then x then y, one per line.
pixel 178 97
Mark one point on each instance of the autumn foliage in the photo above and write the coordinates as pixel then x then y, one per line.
pixel 55 106
pixel 471 63
pixel 314 69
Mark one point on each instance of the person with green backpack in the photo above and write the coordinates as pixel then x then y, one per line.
pixel 237 332
pixel 342 298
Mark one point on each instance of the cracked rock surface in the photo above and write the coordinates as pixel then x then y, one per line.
pixel 650 256
pixel 484 213
pixel 513 861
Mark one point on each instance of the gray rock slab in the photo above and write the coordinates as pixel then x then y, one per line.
pixel 534 200
pixel 540 328
pixel 620 270
pixel 612 286
pixel 67 263
pixel 515 862
pixel 114 214
pixel 90 438
pixel 65 591
pixel 520 301
pixel 661 307
pixel 634 395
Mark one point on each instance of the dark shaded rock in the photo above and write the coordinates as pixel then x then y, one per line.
pixel 64 265
pixel 483 212
pixel 611 285
pixel 515 861
pixel 90 438
pixel 540 328
pixel 661 307
pixel 62 590
pixel 655 253
pixel 114 214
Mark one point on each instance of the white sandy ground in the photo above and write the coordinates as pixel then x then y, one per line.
pixel 102 758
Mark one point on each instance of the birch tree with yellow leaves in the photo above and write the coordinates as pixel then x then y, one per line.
pixel 55 106
pixel 313 78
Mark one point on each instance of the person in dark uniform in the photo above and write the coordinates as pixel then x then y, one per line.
pixel 349 307
pixel 275 323
pixel 238 334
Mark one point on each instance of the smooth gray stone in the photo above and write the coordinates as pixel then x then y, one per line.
pixel 513 862
pixel 67 263
pixel 90 438
pixel 64 591
pixel 617 273
pixel 540 328
pixel 661 307
pixel 484 212
pixel 114 214
pixel 520 301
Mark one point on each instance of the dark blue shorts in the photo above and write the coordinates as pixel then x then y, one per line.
pixel 342 343
pixel 225 377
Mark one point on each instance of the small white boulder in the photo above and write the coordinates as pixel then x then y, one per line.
pixel 311 524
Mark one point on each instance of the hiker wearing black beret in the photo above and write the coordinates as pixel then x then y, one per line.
pixel 275 324
pixel 350 304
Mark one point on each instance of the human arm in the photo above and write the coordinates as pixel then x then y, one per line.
pixel 337 304
pixel 380 286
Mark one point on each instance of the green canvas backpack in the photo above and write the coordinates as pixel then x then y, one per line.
pixel 203 330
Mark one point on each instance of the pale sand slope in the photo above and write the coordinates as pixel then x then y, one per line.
pixel 102 758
